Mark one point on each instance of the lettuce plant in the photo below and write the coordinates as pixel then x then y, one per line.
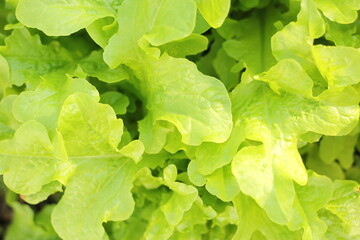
pixel 180 119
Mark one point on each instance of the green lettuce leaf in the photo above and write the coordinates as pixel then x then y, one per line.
pixel 8 123
pixel 251 102
pixel 163 106
pixel 343 34
pixel 117 100
pixel 270 162
pixel 30 159
pixel 296 39
pixel 343 11
pixel 198 215
pixel 191 45
pixel 222 66
pixel 342 212
pixel 29 59
pixel 218 129
pixel 341 148
pixel 339 65
pixel 214 11
pixel 284 145
pixel 313 161
pixel 5 131
pixel 158 227
pixel 4 76
pixel 91 142
pixel 247 209
pixel 196 104
pixel 311 198
pixel 223 184
pixel 23 225
pixel 181 200
pixel 45 102
pixel 94 66
pixel 157 22
pixel 174 210
pixel 205 63
pixel 251 33
pixel 31 152
pixel 102 30
pixel 46 191
pixel 62 17
pixel 7 118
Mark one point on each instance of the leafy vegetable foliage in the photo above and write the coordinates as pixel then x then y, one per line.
pixel 181 119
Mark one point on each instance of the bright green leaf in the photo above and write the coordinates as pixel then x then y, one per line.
pixel 117 100
pixel 31 160
pixel 281 76
pixel 191 45
pixel 252 33
pixel 214 11
pixel 102 30
pixel 339 65
pixel 341 11
pixel 4 75
pixel 341 148
pixel 44 193
pixel 196 104
pixel 157 21
pixel 29 59
pixel 295 41
pixel 133 150
pixel 343 34
pixel 94 66
pixel 44 103
pixel 61 17
pixel 248 209
pixel 223 184
pixel 91 141
pixel 345 204
pixel 313 197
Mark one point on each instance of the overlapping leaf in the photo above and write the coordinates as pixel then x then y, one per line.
pixel 341 213
pixel 344 11
pixel 31 160
pixel 157 22
pixel 253 32
pixel 214 11
pixel 178 93
pixel 4 75
pixel 45 102
pixel 215 165
pixel 292 114
pixel 94 66
pixel 62 17
pixel 91 141
pixel 29 59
